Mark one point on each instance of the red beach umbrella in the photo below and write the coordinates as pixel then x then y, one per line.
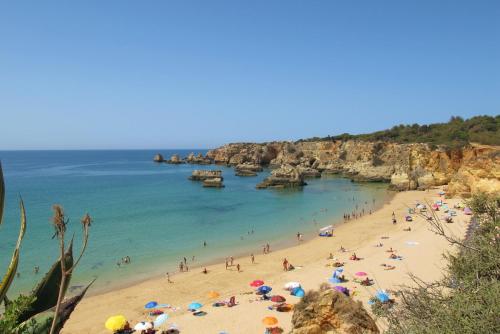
pixel 257 283
pixel 278 299
pixel 360 273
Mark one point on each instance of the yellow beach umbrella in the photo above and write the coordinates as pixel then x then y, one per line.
pixel 269 321
pixel 116 323
pixel 213 294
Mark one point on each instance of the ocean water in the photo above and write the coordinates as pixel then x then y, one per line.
pixel 154 214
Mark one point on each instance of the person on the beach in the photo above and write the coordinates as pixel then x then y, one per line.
pixel 36 269
pixel 298 236
pixel 264 249
pixel 227 265
pixel 192 258
pixel 238 267
pixel 181 267
pixel 330 257
pixel 342 249
pixel 168 278
pixel 185 260
pixel 253 258
pixel 205 271
pixel 186 267
pixel 231 259
pixel 285 265
pixel 204 244
pixel 268 248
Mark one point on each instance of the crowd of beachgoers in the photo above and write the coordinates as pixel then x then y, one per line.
pixel 365 258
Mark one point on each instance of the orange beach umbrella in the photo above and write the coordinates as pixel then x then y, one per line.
pixel 269 321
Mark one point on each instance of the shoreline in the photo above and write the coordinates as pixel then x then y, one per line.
pixel 312 269
pixel 276 245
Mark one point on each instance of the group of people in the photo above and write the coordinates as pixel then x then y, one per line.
pixel 124 260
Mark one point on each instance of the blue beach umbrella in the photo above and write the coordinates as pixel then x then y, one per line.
pixel 264 289
pixel 382 296
pixel 194 306
pixel 151 305
pixel 334 279
pixel 299 292
pixel 160 320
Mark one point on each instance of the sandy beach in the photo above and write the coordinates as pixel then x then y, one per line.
pixel 421 252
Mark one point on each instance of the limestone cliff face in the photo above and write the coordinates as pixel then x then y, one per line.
pixel 331 312
pixel 405 166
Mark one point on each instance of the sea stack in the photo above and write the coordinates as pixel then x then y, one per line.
pixel 158 158
pixel 210 178
pixel 247 169
pixel 175 160
pixel 287 176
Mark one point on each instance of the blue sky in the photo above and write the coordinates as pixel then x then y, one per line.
pixel 188 74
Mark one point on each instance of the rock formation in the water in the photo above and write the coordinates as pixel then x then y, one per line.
pixel 198 159
pixel 215 182
pixel 287 176
pixel 201 174
pixel 247 169
pixel 466 170
pixel 175 159
pixel 210 178
pixel 158 158
pixel 330 312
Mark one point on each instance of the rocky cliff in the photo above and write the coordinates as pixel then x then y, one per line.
pixel 329 311
pixel 406 166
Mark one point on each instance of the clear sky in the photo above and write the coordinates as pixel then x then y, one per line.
pixel 187 74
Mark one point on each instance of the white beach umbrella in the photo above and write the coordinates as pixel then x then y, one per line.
pixel 142 326
pixel 292 285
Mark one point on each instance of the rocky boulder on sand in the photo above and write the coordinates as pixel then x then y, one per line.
pixel 332 312
pixel 286 176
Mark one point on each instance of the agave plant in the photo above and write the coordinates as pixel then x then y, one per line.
pixel 44 310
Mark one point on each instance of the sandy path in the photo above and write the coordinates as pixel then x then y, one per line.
pixel 425 260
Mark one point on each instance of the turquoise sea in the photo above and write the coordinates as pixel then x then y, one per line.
pixel 154 214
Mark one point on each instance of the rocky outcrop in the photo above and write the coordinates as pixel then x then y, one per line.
pixel 329 311
pixel 198 159
pixel 158 158
pixel 249 167
pixel 175 159
pixel 287 176
pixel 201 175
pixel 215 182
pixel 210 178
pixel 245 172
pixel 406 166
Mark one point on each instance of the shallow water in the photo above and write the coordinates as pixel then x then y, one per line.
pixel 154 214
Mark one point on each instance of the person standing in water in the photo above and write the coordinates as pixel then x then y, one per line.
pixel 253 258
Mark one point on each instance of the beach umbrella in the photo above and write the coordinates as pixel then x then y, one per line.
pixel 264 289
pixel 194 306
pixel 213 294
pixel 269 321
pixel 151 305
pixel 299 293
pixel 278 299
pixel 142 326
pixel 115 323
pixel 342 289
pixel 292 285
pixel 284 308
pixel 257 283
pixel 334 279
pixel 382 296
pixel 360 273
pixel 160 320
